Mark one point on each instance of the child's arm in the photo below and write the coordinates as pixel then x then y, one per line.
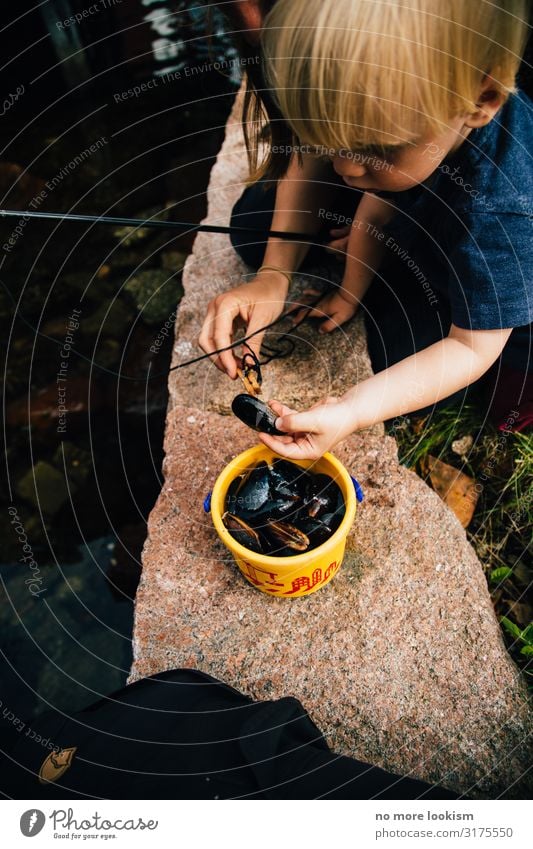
pixel 364 253
pixel 298 197
pixel 418 381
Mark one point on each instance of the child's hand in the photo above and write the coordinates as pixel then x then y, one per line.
pixel 337 308
pixel 311 433
pixel 256 304
pixel 339 242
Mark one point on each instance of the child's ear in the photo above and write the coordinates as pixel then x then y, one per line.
pixel 489 101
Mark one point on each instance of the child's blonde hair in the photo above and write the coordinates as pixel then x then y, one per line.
pixel 355 73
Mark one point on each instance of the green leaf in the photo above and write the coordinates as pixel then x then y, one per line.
pixel 511 628
pixel 527 635
pixel 527 651
pixel 500 574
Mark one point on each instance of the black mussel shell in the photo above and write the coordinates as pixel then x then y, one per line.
pixel 253 492
pixel 324 486
pixel 289 479
pixel 255 413
pixel 243 533
pixel 272 509
pixel 287 535
pixel 323 496
pixel 232 493
pixel 317 531
pixel 333 520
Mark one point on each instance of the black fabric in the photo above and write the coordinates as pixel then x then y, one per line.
pixel 255 208
pixel 185 735
pixel 401 319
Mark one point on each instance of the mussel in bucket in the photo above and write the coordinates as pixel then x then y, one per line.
pixel 288 535
pixel 242 532
pixel 280 509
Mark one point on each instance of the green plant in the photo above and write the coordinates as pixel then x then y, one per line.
pixel 525 636
pixel 498 576
pixel 501 463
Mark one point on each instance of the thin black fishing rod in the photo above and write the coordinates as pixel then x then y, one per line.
pixel 185 226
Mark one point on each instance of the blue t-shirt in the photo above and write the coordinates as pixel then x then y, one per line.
pixel 470 228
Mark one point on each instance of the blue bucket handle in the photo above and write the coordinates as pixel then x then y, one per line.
pixel 358 489
pixel 207 503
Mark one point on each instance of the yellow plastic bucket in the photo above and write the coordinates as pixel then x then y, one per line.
pixel 303 574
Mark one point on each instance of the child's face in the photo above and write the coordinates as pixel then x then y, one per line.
pixel 404 166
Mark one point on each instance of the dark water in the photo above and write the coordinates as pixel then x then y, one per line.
pixel 83 440
pixel 71 644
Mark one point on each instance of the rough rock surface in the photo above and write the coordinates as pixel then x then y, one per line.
pixel 400 659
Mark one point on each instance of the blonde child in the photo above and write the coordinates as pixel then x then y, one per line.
pixel 415 104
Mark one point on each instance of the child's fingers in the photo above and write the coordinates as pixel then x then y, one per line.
pixel 208 342
pixel 306 422
pixel 340 231
pixel 279 408
pixel 291 450
pixel 275 442
pixel 317 312
pixel 329 325
pixel 301 311
pixel 336 246
pixel 282 410
pixel 309 312
pixel 223 336
pixel 307 297
pixel 283 445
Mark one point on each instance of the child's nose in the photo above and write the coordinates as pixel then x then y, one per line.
pixel 348 168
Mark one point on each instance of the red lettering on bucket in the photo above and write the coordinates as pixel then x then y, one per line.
pixel 251 574
pixel 305 583
pixel 332 568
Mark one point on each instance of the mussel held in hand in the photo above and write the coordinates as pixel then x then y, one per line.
pixel 255 413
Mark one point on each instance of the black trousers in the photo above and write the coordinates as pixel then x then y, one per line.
pixel 185 735
pixel 399 316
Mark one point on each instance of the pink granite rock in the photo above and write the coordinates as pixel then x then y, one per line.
pixel 400 659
